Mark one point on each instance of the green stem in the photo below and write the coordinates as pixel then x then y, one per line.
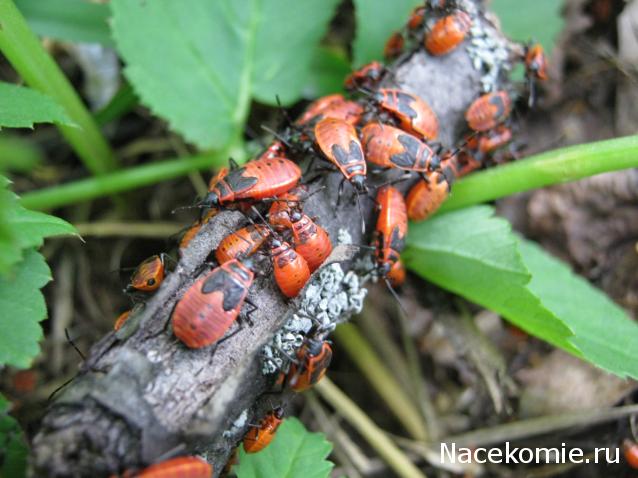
pixel 558 166
pixel 132 178
pixel 25 52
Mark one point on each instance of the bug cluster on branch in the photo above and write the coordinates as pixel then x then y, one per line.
pixel 371 130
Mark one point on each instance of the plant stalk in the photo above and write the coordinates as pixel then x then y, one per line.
pixel 25 52
pixel 553 167
pixel 120 181
pixel 377 439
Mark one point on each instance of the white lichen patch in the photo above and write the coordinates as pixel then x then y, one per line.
pixel 488 50
pixel 238 425
pixel 331 298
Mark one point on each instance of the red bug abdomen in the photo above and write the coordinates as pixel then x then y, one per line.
pixel 291 270
pixel 425 198
pixel 199 319
pixel 312 242
pixel 241 243
pixel 340 144
pixel 121 320
pixel 447 33
pixel 396 275
pixel 181 467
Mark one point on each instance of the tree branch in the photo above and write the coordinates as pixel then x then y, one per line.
pixel 141 393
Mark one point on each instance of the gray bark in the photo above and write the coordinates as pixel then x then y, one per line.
pixel 141 393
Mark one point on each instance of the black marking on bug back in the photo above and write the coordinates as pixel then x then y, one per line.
pixel 501 110
pixel 411 146
pixel 240 271
pixel 343 157
pixel 231 289
pixel 403 104
pixel 238 182
pixel 397 243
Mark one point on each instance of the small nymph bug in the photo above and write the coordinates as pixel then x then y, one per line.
pixel 211 305
pixel 283 206
pixel 488 111
pixel 368 76
pixel 192 231
pixel 448 33
pixel 394 46
pixel 313 360
pixel 331 106
pixel 259 437
pixel 310 240
pixel 241 243
pixel 148 276
pixel 425 197
pixel 390 232
pixel 290 269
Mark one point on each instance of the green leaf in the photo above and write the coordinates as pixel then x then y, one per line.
pixel 21 228
pixel 327 71
pixel 22 305
pixel 602 331
pixel 69 20
pixel 376 21
pixel 18 154
pixel 199 64
pixel 539 20
pixel 13 446
pixel 475 254
pixel 294 452
pixel 20 107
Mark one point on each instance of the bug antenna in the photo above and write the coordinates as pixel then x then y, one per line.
pixel 283 111
pixel 365 91
pixel 276 135
pixel 464 143
pixel 192 206
pixel 263 219
pixel 55 392
pixel 396 296
pixel 68 338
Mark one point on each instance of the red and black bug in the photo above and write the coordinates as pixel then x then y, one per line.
pixel 260 437
pixel 535 68
pixel 283 206
pixel 241 243
pixel 394 46
pixel 290 269
pixel 257 179
pixel 331 106
pixel 339 143
pixel 425 197
pixel 414 114
pixel 536 62
pixel 310 240
pixel 390 233
pixel 313 360
pixel 417 16
pixel 630 450
pixel 211 305
pixel 180 467
pixel 494 139
pixel 488 111
pixel 368 76
pixel 148 276
pixel 389 147
pixel 448 33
